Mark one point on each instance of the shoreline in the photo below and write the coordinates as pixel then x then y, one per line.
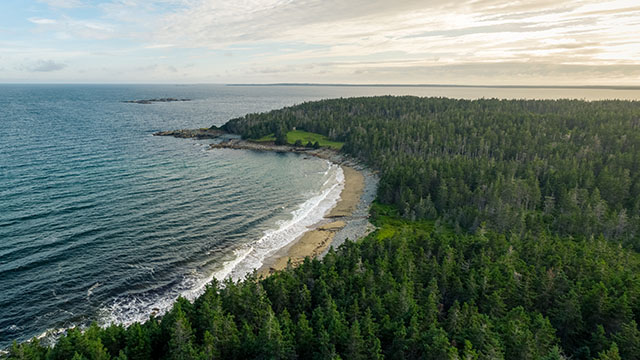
pixel 314 242
pixel 319 237
pixel 348 218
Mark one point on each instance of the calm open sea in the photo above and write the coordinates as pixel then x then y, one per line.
pixel 101 221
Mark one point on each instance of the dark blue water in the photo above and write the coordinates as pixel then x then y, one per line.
pixel 101 221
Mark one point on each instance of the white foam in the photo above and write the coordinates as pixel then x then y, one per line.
pixel 307 214
pixel 245 259
pixel 228 266
pixel 50 336
pixel 90 291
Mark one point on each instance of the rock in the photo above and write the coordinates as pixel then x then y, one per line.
pixel 151 101
pixel 204 133
pixel 334 226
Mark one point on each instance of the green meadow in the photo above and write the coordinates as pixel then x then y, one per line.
pixel 304 137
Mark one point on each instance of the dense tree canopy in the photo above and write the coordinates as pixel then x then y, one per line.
pixel 566 165
pixel 506 229
pixel 411 290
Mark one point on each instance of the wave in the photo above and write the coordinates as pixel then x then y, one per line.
pixel 50 336
pixel 90 290
pixel 309 213
pixel 239 262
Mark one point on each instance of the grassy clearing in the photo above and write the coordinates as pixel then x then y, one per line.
pixel 389 222
pixel 304 137
pixel 267 138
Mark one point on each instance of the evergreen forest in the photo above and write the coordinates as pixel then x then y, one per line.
pixel 506 229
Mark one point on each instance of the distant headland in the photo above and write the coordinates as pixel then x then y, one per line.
pixel 151 101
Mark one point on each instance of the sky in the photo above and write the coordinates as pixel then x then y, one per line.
pixel 472 42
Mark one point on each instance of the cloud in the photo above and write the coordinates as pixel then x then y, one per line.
pixel 67 28
pixel 159 46
pixel 451 41
pixel 377 26
pixel 63 3
pixel 42 21
pixel 44 66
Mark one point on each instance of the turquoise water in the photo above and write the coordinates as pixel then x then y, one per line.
pixel 101 221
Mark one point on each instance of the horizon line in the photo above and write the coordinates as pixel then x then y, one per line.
pixel 611 87
pixel 595 87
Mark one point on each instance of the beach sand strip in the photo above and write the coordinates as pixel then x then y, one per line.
pixel 320 236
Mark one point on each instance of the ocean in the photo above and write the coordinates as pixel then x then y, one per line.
pixel 101 221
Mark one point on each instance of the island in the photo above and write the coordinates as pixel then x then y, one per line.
pixel 151 101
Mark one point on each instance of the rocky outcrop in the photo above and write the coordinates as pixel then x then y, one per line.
pixel 204 133
pixel 257 146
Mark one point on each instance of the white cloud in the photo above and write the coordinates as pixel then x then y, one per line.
pixel 159 46
pixel 63 3
pixel 66 28
pixel 42 21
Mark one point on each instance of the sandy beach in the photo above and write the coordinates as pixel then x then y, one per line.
pixel 320 236
pixel 348 219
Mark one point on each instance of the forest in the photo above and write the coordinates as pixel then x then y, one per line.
pixel 567 166
pixel 506 229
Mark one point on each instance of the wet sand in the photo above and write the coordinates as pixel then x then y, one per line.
pixel 320 236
